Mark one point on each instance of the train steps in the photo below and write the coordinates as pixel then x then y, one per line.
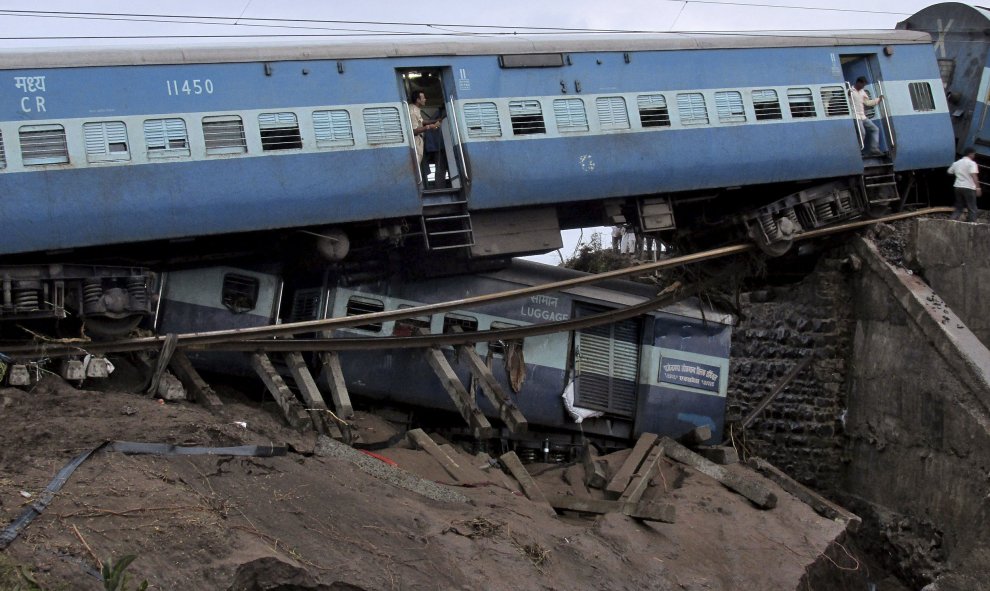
pixel 880 182
pixel 446 221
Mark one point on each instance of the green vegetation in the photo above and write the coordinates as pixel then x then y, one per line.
pixel 114 577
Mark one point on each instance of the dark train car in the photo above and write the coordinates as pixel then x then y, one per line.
pixel 152 154
pixel 664 372
pixel 962 48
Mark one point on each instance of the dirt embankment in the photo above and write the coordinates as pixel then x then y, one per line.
pixel 308 521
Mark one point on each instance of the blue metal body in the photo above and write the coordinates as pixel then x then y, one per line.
pixel 84 203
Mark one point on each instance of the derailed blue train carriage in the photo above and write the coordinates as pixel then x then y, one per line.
pixel 155 153
pixel 663 372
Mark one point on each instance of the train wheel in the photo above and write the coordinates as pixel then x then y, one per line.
pixel 775 248
pixel 103 328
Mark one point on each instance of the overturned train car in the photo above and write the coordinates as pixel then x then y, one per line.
pixel 665 371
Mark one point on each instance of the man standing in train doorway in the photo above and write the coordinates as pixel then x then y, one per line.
pixel 417 100
pixel 868 130
pixel 967 185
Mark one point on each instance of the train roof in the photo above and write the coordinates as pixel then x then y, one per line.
pixel 617 291
pixel 956 17
pixel 58 57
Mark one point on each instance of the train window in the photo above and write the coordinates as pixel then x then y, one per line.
pixel 612 113
pixel 498 347
pixel 834 99
pixel 653 110
pixel 166 137
pixel 357 305
pixel 43 144
pixel 333 128
pixel 801 102
pixel 407 327
pixel 570 115
pixel 224 134
pixel 106 140
pixel 691 108
pixel 279 131
pixel 305 305
pixel 240 293
pixel 921 96
pixel 481 120
pixel 526 117
pixel 382 125
pixel 729 105
pixel 465 323
pixel 3 153
pixel 766 105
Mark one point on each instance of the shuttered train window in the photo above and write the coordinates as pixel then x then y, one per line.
pixel 653 110
pixel 333 128
pixel 166 137
pixel 607 365
pixel 482 120
pixel 526 117
pixel 240 292
pixel 834 101
pixel 612 113
pixel 921 96
pixel 729 105
pixel 499 347
pixel 382 125
pixel 570 115
pixel 279 131
pixel 224 135
pixel 105 141
pixel 691 108
pixel 408 327
pixel 43 144
pixel 766 106
pixel 305 305
pixel 801 102
pixel 3 153
pixel 358 305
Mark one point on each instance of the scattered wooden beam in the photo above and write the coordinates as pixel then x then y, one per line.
pixel 193 382
pixel 462 399
pixel 315 405
pixel 640 481
pixel 697 436
pixel 818 503
pixel 420 440
pixel 595 470
pixel 664 512
pixel 164 357
pixel 511 461
pixel 507 409
pixel 621 478
pixel 338 388
pixel 293 411
pixel 720 454
pixel 752 489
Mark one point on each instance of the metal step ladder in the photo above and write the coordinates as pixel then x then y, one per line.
pixel 879 182
pixel 446 220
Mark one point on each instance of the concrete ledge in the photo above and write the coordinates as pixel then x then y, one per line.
pixel 954 342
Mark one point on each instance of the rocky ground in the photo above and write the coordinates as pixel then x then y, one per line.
pixel 325 517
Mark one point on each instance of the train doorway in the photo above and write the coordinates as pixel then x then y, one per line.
pixel 867 66
pixel 440 165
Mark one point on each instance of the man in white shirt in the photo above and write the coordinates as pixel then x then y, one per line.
pixel 417 100
pixel 868 130
pixel 967 185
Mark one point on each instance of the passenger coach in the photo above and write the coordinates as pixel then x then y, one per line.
pixel 186 153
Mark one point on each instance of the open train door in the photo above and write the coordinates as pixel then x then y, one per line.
pixel 867 66
pixel 440 172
